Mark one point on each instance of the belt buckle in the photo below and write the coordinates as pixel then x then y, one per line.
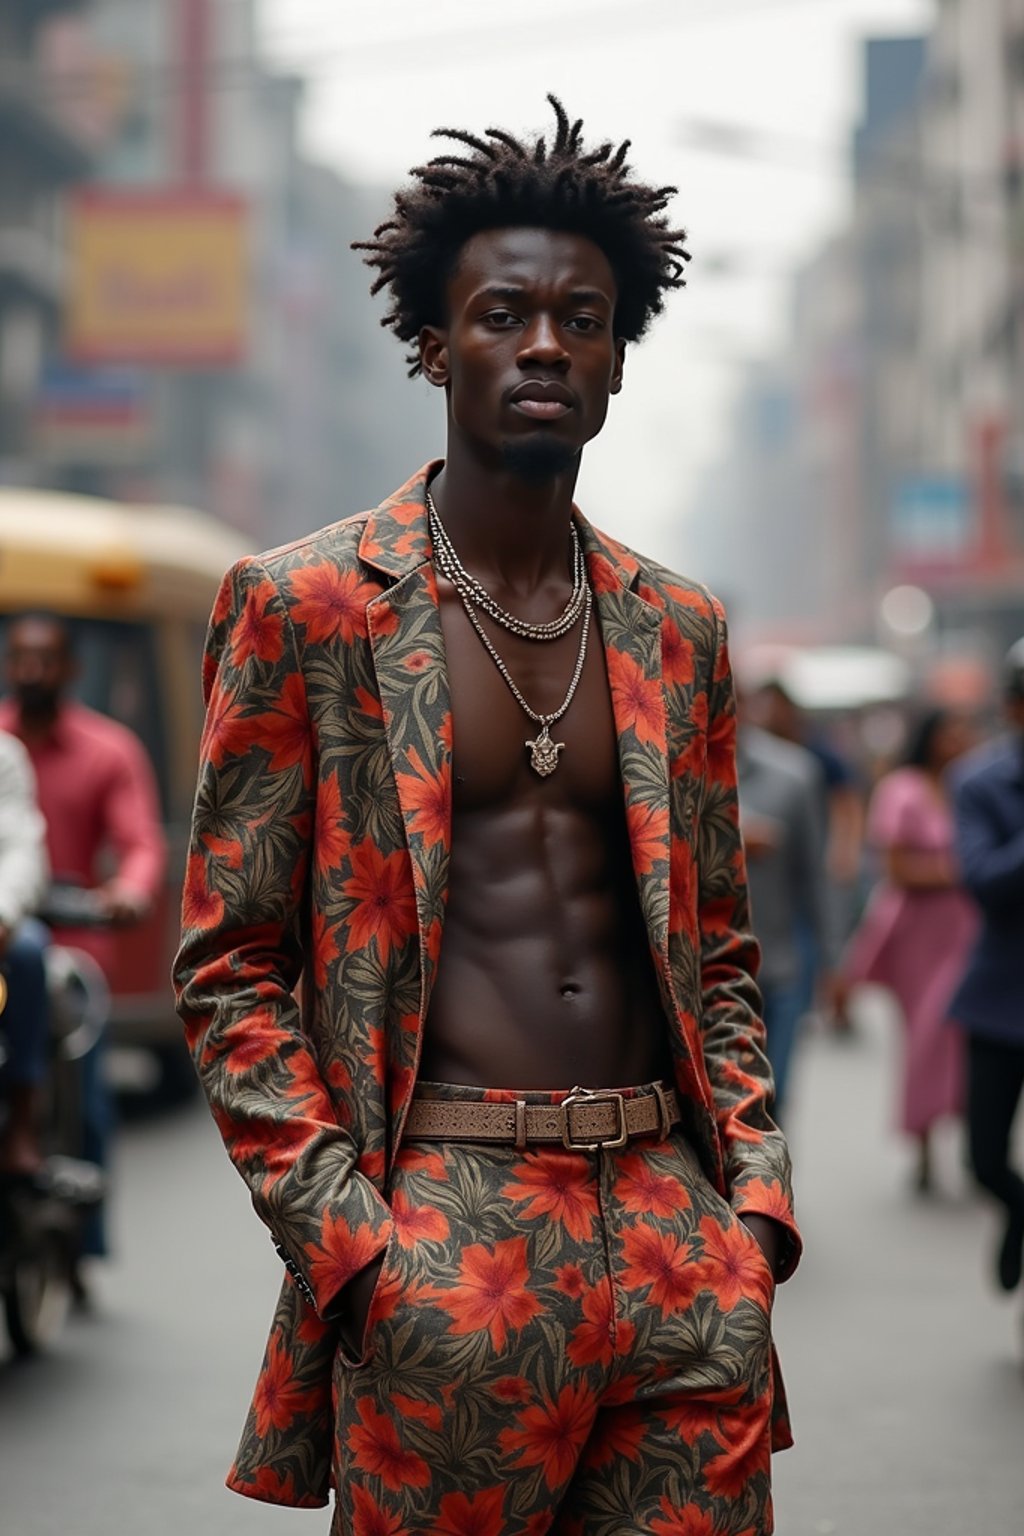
pixel 593 1096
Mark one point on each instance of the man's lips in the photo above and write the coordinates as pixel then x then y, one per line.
pixel 544 400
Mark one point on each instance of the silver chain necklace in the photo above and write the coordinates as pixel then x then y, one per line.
pixel 543 750
pixel 467 586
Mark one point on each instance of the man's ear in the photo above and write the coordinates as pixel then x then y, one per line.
pixel 620 362
pixel 433 344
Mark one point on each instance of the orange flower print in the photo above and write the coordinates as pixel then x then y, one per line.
pixel 278 1396
pixel 330 839
pixel 429 796
pixel 683 883
pixel 690 1521
pixel 659 1263
pixel 569 1280
pixel 257 632
pixel 412 1408
pixel 556 1184
pixel 324 945
pixel 200 907
pixel 732 1265
pixel 284 730
pixel 386 906
pixel 746 1454
pixel 551 1435
pixel 416 1223
pixel 766 1197
pixel 676 656
pixel 342 1253
pixel 637 700
pixel 643 1191
pixel 491 1291
pixel 331 603
pixel 480 1515
pixel 226 732
pixel 252 1040
pixel 227 848
pixel 371 1519
pixel 597 1340
pixel 648 834
pixel 512 1389
pixel 378 1451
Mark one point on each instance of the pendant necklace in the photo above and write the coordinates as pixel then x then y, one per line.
pixel 543 749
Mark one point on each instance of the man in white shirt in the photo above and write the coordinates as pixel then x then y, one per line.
pixel 23 1020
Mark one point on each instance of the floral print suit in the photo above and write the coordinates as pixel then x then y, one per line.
pixel 319 852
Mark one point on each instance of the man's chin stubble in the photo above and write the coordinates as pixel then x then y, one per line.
pixel 538 458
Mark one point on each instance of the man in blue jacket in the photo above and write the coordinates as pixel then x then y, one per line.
pixel 988 792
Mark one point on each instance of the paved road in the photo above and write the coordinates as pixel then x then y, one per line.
pixel 903 1367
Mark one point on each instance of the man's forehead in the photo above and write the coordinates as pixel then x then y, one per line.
pixel 521 256
pixel 37 635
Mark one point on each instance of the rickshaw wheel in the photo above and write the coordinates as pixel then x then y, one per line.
pixel 38 1296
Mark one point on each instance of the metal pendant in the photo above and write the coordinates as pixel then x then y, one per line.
pixel 544 752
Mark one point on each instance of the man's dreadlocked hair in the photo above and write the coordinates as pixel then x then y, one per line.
pixel 506 182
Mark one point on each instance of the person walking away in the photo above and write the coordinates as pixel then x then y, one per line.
pixel 988 806
pixel 469 767
pixel 98 796
pixel 919 924
pixel 24 1016
pixel 779 783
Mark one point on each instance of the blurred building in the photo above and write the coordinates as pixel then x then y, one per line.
pixel 209 337
pixel 43 148
pixel 897 463
pixel 969 550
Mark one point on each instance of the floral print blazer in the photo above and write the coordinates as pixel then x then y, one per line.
pixel 319 851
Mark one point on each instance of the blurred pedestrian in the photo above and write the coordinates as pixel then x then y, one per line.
pixel 24 1014
pixel 919 923
pixel 988 799
pixel 840 803
pixel 97 793
pixel 779 789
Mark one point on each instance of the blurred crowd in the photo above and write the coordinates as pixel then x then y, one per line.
pixel 904 873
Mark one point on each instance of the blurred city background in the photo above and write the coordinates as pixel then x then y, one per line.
pixel 827 427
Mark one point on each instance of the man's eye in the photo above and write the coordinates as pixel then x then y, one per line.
pixel 501 319
pixel 585 323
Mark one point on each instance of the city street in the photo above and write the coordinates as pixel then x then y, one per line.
pixel 903 1366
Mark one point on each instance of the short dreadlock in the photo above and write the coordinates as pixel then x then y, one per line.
pixel 506 182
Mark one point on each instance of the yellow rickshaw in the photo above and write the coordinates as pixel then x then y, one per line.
pixel 137 584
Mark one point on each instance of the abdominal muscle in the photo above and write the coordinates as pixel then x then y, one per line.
pixel 545 977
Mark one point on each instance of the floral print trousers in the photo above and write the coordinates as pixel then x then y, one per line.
pixel 559 1341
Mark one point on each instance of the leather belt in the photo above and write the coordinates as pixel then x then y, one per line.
pixel 587 1119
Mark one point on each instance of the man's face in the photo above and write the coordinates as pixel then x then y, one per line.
pixel 528 357
pixel 39 665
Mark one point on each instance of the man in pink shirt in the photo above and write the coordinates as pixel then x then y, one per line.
pixel 98 794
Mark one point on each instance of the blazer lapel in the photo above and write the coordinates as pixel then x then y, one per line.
pixel 407 646
pixel 631 632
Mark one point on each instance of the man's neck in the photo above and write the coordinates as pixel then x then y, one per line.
pixel 512 530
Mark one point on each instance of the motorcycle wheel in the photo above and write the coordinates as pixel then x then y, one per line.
pixel 38 1296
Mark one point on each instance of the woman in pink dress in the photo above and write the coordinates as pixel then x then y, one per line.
pixel 919 924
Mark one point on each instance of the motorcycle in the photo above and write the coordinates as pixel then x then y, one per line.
pixel 41 1215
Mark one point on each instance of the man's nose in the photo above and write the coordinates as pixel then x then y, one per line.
pixel 542 343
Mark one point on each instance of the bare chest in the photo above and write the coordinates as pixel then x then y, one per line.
pixel 492 755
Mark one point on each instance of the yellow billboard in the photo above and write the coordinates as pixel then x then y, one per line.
pixel 157 278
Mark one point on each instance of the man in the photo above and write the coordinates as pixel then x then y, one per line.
pixel 779 783
pixel 98 796
pixel 988 799
pixel 24 1012
pixel 468 766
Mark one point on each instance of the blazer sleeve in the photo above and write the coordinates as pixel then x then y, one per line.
pixel 991 864
pixel 754 1150
pixel 242 947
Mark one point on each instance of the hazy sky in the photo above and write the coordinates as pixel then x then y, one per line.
pixel 382 73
